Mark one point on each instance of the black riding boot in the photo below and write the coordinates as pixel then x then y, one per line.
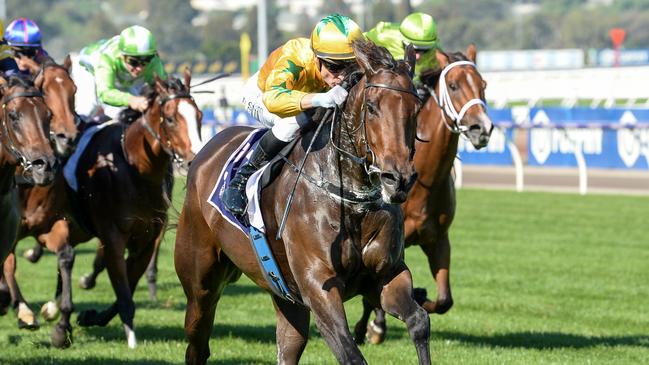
pixel 234 197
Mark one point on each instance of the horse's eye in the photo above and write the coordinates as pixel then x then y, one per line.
pixel 169 121
pixel 452 86
pixel 371 108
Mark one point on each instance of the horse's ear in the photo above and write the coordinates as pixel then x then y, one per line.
pixel 442 58
pixel 411 58
pixel 159 84
pixel 361 49
pixel 67 63
pixel 188 77
pixel 471 52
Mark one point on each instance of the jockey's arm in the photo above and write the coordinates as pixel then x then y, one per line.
pixel 105 84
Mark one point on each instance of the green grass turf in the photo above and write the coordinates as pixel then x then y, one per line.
pixel 538 278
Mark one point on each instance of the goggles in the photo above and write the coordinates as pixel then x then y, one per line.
pixel 336 67
pixel 136 61
pixel 28 52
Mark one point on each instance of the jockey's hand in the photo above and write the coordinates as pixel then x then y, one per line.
pixel 139 103
pixel 331 98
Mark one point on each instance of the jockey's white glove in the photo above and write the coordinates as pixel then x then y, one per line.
pixel 331 98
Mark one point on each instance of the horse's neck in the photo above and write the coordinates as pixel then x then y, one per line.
pixel 144 152
pixel 434 159
pixel 7 170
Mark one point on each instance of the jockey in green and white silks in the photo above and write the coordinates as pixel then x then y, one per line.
pixel 418 29
pixel 115 70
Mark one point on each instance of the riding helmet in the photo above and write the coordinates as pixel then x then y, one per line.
pixel 137 41
pixel 23 32
pixel 419 29
pixel 333 35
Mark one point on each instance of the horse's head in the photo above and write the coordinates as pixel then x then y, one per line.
pixel 179 118
pixel 461 95
pixel 385 105
pixel 24 129
pixel 58 89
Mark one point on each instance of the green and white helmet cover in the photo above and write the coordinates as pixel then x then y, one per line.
pixel 137 41
pixel 420 30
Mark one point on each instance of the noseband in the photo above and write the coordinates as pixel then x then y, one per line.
pixel 11 145
pixel 446 103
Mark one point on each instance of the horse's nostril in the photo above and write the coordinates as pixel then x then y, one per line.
pixel 389 179
pixel 475 127
pixel 39 163
pixel 61 136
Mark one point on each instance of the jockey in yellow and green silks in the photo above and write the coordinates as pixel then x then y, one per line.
pixel 298 76
pixel 418 29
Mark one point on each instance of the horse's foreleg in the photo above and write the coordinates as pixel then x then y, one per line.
pixel 292 331
pixel 396 299
pixel 327 307
pixel 62 333
pixel 26 317
pixel 33 254
pixel 152 270
pixel 439 261
pixel 89 281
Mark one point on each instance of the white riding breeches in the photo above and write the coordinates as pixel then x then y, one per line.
pixel 285 129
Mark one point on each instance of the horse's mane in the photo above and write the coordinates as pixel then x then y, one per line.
pixel 430 77
pixel 49 61
pixel 378 56
pixel 172 84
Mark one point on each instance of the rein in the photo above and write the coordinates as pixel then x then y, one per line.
pixel 11 145
pixel 445 102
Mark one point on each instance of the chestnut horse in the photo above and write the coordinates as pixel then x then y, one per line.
pixel 24 128
pixel 456 106
pixel 365 158
pixel 124 189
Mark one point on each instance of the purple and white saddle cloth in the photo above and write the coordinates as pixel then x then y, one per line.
pixel 240 157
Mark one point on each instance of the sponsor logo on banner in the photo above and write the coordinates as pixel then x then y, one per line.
pixel 541 138
pixel 631 143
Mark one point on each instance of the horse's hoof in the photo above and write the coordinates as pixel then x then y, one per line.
pixel 375 333
pixel 420 295
pixel 61 336
pixel 87 282
pixel 87 318
pixel 50 311
pixel 26 318
pixel 130 337
pixel 32 255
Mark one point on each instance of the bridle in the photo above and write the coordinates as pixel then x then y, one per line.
pixel 11 145
pixel 445 102
pixel 166 147
pixel 368 160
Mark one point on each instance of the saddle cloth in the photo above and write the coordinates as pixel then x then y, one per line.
pixel 70 168
pixel 238 158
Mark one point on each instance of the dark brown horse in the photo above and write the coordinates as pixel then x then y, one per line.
pixel 456 106
pixel 124 186
pixel 337 243
pixel 24 128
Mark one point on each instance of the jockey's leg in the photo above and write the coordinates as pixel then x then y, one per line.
pixel 234 197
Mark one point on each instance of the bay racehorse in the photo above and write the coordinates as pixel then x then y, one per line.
pixel 456 106
pixel 45 207
pixel 124 181
pixel 24 128
pixel 337 242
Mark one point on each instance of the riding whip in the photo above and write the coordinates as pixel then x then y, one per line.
pixel 216 77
